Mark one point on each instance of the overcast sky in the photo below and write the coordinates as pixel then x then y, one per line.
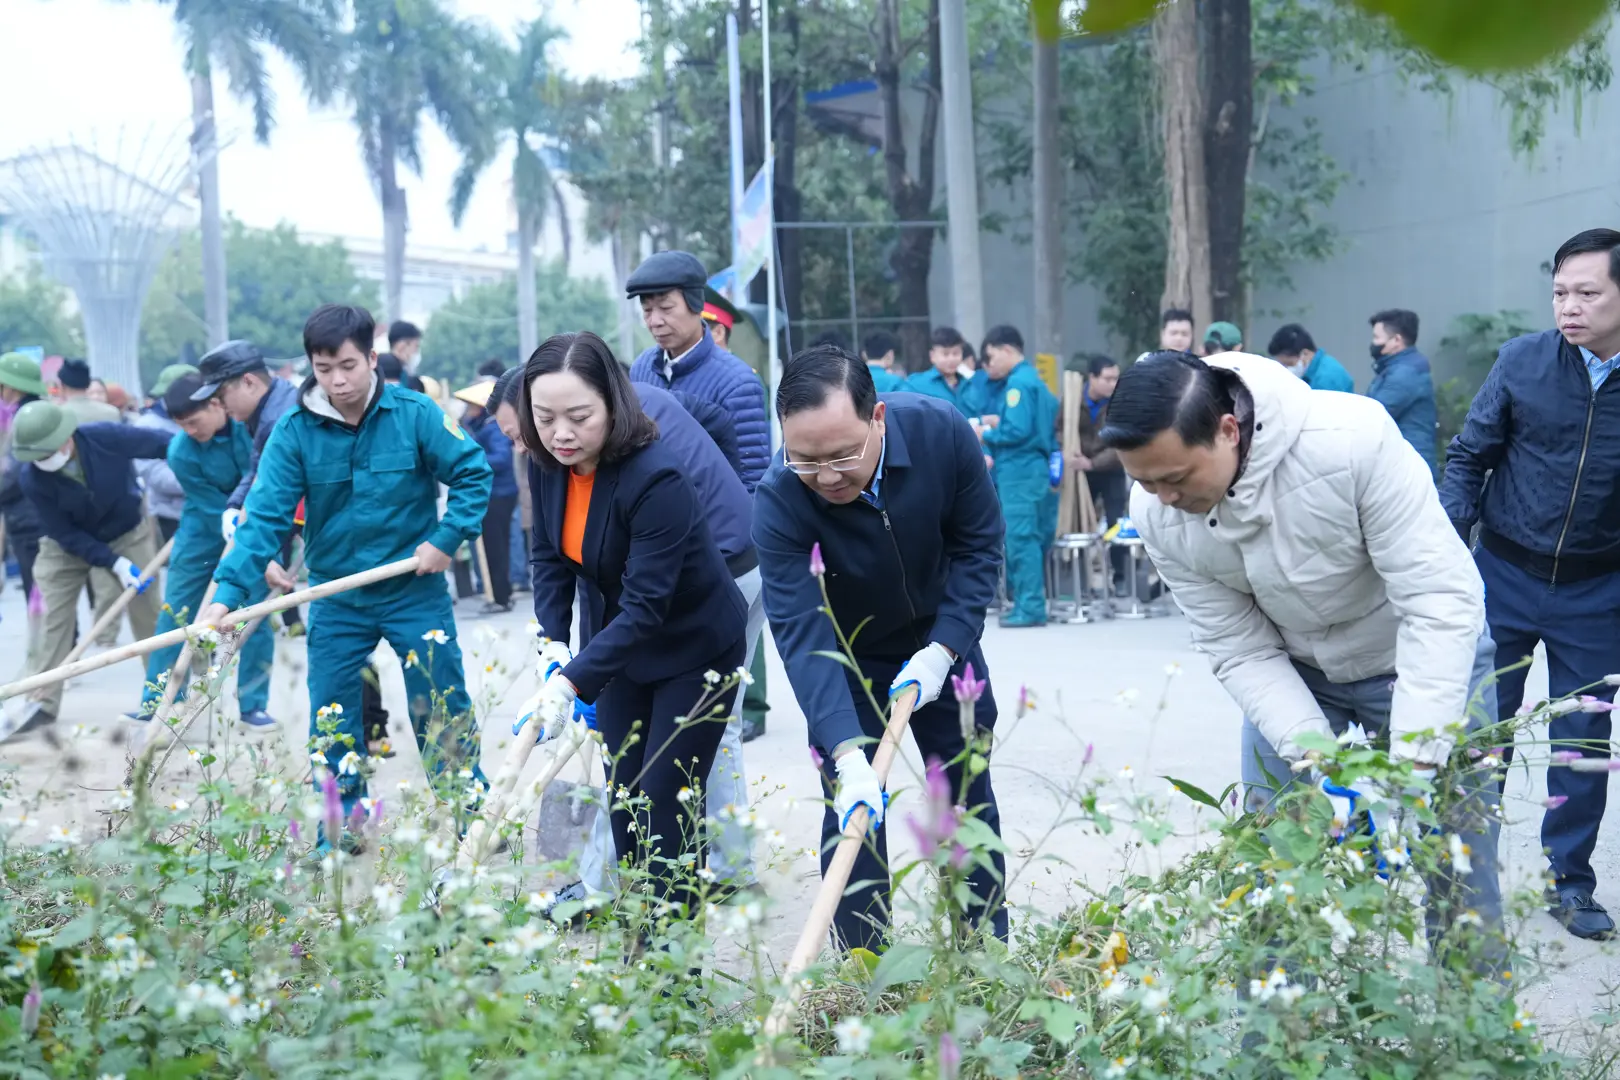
pixel 86 69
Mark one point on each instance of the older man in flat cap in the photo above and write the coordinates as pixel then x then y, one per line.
pixel 687 358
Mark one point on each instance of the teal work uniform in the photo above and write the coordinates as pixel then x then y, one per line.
pixel 370 497
pixel 1021 446
pixel 931 383
pixel 884 379
pixel 208 473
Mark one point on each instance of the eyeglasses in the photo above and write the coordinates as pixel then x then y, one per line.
pixel 839 465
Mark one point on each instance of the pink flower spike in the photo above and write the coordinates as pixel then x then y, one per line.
pixel 30 1010
pixel 950 1058
pixel 334 808
pixel 36 601
pixel 1475 753
pixel 1023 700
pixel 936 829
pixel 817 567
pixel 968 689
pixel 292 830
pixel 1564 757
pixel 1553 802
pixel 297 951
pixel 1595 705
pixel 815 758
pixel 1090 751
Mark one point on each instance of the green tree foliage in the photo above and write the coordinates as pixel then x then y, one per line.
pixel 482 323
pixel 275 280
pixel 34 310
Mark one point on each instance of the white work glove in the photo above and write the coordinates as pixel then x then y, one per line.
pixel 858 785
pixel 927 671
pixel 129 575
pixel 554 656
pixel 552 710
pixel 228 521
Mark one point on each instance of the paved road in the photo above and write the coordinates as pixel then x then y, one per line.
pixel 1107 684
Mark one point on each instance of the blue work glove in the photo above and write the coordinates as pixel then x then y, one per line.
pixel 585 714
pixel 129 575
pixel 1054 468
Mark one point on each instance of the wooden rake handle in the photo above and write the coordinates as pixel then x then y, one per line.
pixel 836 879
pixel 115 610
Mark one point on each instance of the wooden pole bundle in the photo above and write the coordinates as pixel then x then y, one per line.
pixel 836 879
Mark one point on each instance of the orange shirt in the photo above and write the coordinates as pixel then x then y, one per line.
pixel 575 512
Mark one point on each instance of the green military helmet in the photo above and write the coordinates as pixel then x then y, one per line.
pixel 40 429
pixel 166 378
pixel 21 372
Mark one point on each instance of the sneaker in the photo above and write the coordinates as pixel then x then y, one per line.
pixel 575 893
pixel 258 722
pixel 37 718
pixel 752 727
pixel 1580 914
pixel 491 607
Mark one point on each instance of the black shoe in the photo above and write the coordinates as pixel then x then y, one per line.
pixel 37 718
pixel 493 607
pixel 575 893
pixel 752 727
pixel 1581 915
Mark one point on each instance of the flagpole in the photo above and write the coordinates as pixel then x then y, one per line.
pixel 734 64
pixel 770 202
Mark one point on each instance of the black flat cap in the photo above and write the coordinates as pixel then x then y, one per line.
pixel 178 399
pixel 668 270
pixel 74 374
pixel 226 362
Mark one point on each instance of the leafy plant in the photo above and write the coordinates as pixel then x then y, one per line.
pixel 1469 350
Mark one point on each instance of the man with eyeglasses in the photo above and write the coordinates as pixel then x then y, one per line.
pixel 885 504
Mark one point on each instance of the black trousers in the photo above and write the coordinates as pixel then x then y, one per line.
pixel 663 758
pixel 1114 490
pixel 372 713
pixel 863 913
pixel 498 545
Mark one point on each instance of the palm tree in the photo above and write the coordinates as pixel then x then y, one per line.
pixel 525 114
pixel 407 56
pixel 234 35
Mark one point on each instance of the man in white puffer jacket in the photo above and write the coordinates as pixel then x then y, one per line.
pixel 1302 537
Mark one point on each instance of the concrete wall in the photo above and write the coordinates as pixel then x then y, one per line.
pixel 1438 216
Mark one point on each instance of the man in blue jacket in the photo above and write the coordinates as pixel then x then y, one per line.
pixel 1293 347
pixel 1546 428
pixel 367 461
pixel 887 505
pixel 1402 382
pixel 237 373
pixel 947 376
pixel 670 287
pixel 81 480
pixel 207 459
pixel 878 350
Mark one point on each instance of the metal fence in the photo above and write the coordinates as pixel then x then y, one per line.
pixel 805 328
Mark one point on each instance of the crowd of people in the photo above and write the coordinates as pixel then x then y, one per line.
pixel 1297 524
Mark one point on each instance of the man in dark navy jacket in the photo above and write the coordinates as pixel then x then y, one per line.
pixel 893 499
pixel 1546 428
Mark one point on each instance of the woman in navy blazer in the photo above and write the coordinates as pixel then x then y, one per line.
pixel 668 611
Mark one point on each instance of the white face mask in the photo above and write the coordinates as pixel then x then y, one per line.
pixel 1298 369
pixel 55 462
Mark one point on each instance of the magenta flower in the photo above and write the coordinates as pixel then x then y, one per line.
pixel 968 689
pixel 334 808
pixel 1024 704
pixel 30 1009
pixel 1596 705
pixel 1564 757
pixel 936 830
pixel 36 601
pixel 297 951
pixel 1475 753
pixel 1553 802
pixel 357 818
pixel 1085 759
pixel 816 759
pixel 292 830
pixel 950 1057
pixel 817 567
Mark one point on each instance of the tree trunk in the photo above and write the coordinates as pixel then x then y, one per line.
pixel 1048 208
pixel 785 184
pixel 1186 267
pixel 528 330
pixel 205 153
pixel 911 196
pixel 393 208
pixel 1228 137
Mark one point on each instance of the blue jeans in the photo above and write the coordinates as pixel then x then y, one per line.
pixel 1579 622
pixel 1367 702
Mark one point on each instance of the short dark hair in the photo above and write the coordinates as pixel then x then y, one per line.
pixel 1004 335
pixel 1097 363
pixel 399 330
pixel 1583 243
pixel 1291 340
pixel 491 368
pixel 588 356
pixel 879 343
pixel 1174 314
pixel 389 366
pixel 1399 321
pixel 947 337
pixel 820 370
pixel 507 387
pixel 1165 390
pixel 330 325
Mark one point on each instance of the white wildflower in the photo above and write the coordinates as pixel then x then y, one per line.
pixel 436 849
pixel 711 677
pixel 178 805
pixel 1343 932
pixel 407 834
pixel 854 1036
pixel 387 899
pixel 1127 697
pixel 744 677
pixel 1460 862
pixel 605 1017
pixel 1119 1067
pixel 349 764
pixel 684 795
pixel 527 940
pixel 1258 898
pixel 124 799
pixel 1172 669
pixel 540 902
pixel 437 637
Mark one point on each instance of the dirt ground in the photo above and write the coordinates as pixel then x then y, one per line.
pixel 1108 684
